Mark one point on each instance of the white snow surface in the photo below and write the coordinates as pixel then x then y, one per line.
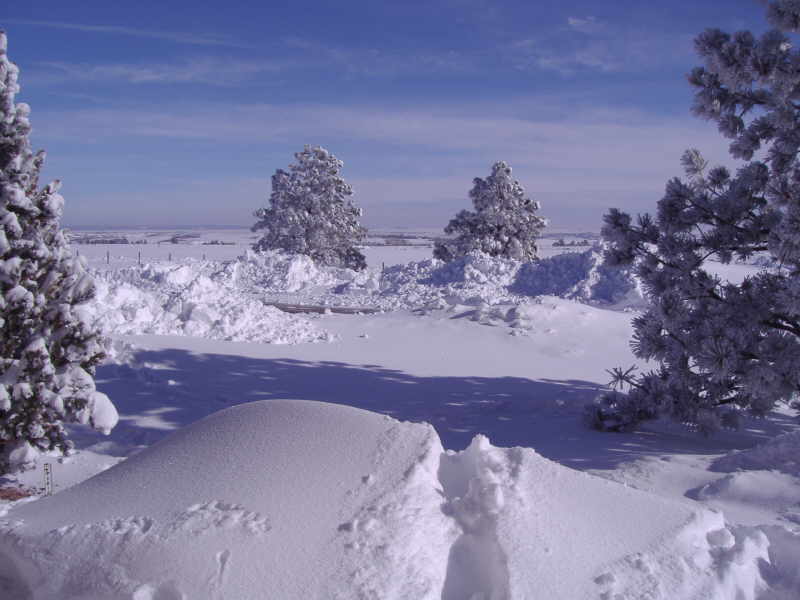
pixel 781 453
pixel 343 501
pixel 231 300
pixel 302 499
pixel 196 298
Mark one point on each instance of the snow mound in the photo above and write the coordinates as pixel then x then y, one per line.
pixel 279 272
pixel 190 299
pixel 279 499
pixel 781 454
pixel 231 300
pixel 579 276
pixel 301 499
pixel 477 279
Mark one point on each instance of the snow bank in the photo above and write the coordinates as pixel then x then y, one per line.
pixel 781 453
pixel 479 279
pixel 188 299
pixel 300 499
pixel 579 276
pixel 280 499
pixel 229 301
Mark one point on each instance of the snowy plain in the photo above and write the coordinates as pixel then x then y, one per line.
pixel 432 448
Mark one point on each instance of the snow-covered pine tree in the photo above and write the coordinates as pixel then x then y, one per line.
pixel 722 347
pixel 310 212
pixel 504 222
pixel 48 349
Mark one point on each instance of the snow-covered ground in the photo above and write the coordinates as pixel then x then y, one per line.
pixel 321 478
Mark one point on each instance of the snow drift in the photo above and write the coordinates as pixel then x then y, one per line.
pixel 781 453
pixel 231 300
pixel 195 299
pixel 301 499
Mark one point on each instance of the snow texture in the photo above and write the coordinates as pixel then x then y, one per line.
pixel 230 300
pixel 781 454
pixel 201 299
pixel 232 504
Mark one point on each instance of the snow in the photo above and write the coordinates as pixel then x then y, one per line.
pixel 195 299
pixel 104 414
pixel 781 453
pixel 248 481
pixel 431 450
pixel 233 503
pixel 232 300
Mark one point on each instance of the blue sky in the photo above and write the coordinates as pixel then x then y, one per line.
pixel 177 113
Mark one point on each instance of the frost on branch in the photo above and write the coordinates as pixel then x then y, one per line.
pixel 310 212
pixel 723 347
pixel 48 349
pixel 504 222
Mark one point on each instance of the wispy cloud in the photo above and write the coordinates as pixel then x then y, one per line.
pixel 375 62
pixel 585 24
pixel 588 150
pixel 408 166
pixel 589 44
pixel 210 71
pixel 172 36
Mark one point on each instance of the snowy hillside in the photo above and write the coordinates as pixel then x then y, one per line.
pixel 431 449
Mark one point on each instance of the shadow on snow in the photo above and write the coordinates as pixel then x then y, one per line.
pixel 177 387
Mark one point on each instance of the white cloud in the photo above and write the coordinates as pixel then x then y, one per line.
pixel 585 24
pixel 587 44
pixel 172 36
pixel 377 62
pixel 590 150
pixel 211 71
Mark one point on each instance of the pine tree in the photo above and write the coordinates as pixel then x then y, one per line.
pixel 48 349
pixel 722 347
pixel 310 212
pixel 503 224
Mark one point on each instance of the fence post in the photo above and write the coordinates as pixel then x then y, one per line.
pixel 48 480
pixel 139 260
pixel 108 257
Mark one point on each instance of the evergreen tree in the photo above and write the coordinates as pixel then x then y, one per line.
pixel 504 222
pixel 722 347
pixel 48 349
pixel 310 212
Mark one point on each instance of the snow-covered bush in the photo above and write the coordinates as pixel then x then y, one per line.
pixel 503 224
pixel 310 212
pixel 721 345
pixel 48 349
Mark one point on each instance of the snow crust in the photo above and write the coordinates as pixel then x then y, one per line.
pixel 302 499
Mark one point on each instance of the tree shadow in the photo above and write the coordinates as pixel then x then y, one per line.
pixel 175 387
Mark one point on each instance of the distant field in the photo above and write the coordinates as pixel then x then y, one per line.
pixel 118 248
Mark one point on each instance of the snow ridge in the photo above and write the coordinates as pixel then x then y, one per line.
pixel 231 300
pixel 195 299
pixel 400 530
pixel 705 560
pixel 402 518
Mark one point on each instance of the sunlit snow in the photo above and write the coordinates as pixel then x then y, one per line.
pixel 431 447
